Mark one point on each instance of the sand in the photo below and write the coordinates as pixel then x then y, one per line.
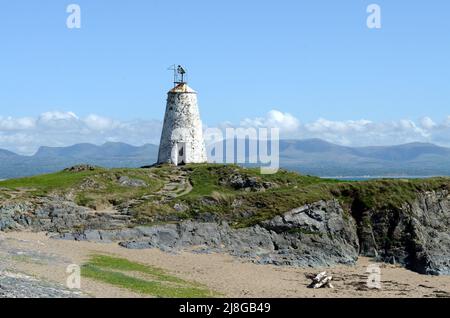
pixel 37 255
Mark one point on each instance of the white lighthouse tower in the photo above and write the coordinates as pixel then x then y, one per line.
pixel 182 136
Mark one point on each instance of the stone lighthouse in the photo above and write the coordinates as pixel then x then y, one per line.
pixel 182 136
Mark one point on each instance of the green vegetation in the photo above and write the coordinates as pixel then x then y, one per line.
pixel 103 189
pixel 171 194
pixel 247 208
pixel 390 193
pixel 43 184
pixel 93 187
pixel 213 194
pixel 140 278
pixel 4 195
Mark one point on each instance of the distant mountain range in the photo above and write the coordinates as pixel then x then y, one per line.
pixel 322 158
pixel 49 159
pixel 312 156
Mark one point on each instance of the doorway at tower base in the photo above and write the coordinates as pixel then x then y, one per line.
pixel 179 153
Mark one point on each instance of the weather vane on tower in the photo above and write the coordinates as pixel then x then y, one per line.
pixel 179 74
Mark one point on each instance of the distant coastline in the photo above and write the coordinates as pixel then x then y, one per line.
pixel 309 157
pixel 367 178
pixel 364 178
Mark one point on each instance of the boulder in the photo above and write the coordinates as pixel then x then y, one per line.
pixel 126 181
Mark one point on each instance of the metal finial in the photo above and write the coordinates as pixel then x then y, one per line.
pixel 179 73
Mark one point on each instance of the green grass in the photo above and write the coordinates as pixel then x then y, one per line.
pixel 294 190
pixel 205 179
pixel 109 191
pixel 48 182
pixel 291 190
pixel 109 262
pixel 211 195
pixel 116 271
pixel 390 193
pixel 266 205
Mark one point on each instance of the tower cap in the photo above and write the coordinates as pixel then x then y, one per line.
pixel 182 88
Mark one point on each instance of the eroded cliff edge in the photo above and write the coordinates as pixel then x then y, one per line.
pixel 381 220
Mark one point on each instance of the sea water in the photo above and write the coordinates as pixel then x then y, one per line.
pixel 368 178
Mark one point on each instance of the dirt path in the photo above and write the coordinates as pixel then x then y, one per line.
pixel 176 184
pixel 39 256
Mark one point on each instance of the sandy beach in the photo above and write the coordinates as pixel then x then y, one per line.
pixel 37 255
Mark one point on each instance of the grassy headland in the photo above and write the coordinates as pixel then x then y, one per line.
pixel 241 196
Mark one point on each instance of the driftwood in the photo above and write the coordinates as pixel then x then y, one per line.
pixel 323 280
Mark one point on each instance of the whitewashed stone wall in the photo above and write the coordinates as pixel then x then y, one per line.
pixel 182 135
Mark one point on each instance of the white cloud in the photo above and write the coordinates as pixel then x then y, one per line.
pixel 100 123
pixel 338 127
pixel 10 123
pixel 274 119
pixel 427 123
pixel 58 116
pixel 55 129
pixel 361 132
pixel 25 135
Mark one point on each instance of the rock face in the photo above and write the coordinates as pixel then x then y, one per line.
pixel 314 235
pixel 417 236
pixel 14 216
pixel 429 249
pixel 128 182
pixel 56 215
pixel 81 168
pixel 246 183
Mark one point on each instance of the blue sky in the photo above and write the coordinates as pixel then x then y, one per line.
pixel 309 60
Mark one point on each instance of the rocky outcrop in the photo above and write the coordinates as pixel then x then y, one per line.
pixel 239 181
pixel 321 234
pixel 81 168
pixel 415 235
pixel 315 235
pixel 15 285
pixel 56 215
pixel 429 249
pixel 126 181
pixel 14 216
